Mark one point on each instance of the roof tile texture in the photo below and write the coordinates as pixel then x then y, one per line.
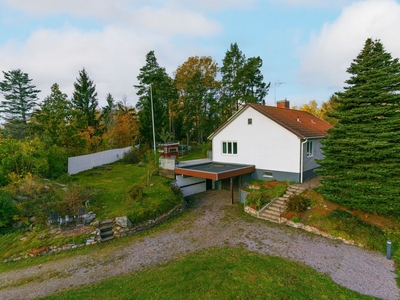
pixel 301 123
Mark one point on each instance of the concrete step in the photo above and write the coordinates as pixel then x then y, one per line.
pixel 107 233
pixel 107 239
pixel 277 208
pixel 281 200
pixel 270 212
pixel 273 219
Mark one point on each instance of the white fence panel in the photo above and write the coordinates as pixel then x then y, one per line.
pixel 81 163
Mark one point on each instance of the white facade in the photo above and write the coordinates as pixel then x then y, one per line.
pixel 263 143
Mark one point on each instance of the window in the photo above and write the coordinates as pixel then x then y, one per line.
pixel 310 152
pixel 229 147
pixel 249 121
pixel 268 174
pixel 173 150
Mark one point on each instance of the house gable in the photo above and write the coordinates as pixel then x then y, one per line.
pixel 263 142
pixel 274 139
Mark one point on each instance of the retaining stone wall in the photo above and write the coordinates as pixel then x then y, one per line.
pixel 95 239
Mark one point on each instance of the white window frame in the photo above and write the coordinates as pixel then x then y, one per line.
pixel 229 147
pixel 173 150
pixel 268 174
pixel 310 149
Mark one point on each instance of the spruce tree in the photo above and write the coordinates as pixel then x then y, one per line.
pixel 361 168
pixel 151 74
pixel 20 97
pixel 242 81
pixel 85 100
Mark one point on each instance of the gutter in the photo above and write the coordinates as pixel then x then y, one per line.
pixel 302 159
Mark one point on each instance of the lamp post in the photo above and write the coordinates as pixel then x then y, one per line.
pixel 152 120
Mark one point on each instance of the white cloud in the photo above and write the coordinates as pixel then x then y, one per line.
pixel 314 3
pixel 111 54
pixel 167 18
pixel 330 52
pixel 112 58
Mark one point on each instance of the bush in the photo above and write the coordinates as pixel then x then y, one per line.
pixel 257 198
pixel 7 208
pixel 131 157
pixel 298 203
pixel 136 191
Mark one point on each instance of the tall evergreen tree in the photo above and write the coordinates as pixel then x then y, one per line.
pixel 232 63
pixel 242 81
pixel 20 97
pixel 56 121
pixel 155 77
pixel 85 100
pixel 361 168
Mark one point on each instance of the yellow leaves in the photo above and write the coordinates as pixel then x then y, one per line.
pixel 205 65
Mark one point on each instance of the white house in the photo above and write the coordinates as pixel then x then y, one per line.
pixel 281 143
pixel 258 142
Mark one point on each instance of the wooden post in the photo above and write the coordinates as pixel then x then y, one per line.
pixel 231 181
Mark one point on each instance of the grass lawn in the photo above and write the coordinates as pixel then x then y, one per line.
pixel 110 187
pixel 218 273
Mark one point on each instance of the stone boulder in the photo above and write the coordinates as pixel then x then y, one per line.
pixel 123 222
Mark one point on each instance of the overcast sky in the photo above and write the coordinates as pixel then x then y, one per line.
pixel 306 45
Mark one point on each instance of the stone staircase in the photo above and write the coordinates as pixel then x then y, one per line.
pixel 106 230
pixel 273 210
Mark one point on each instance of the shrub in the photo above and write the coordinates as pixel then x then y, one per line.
pixel 136 191
pixel 258 198
pixel 298 203
pixel 75 198
pixel 131 157
pixel 296 219
pixel 7 208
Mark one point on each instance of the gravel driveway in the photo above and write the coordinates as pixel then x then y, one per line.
pixel 212 221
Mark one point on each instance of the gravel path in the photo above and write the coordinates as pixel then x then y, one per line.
pixel 212 222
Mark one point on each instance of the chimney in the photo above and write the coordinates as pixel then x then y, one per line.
pixel 283 104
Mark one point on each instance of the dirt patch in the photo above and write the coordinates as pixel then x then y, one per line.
pixel 78 230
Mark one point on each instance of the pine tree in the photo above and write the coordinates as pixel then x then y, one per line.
pixel 242 81
pixel 20 97
pixel 361 168
pixel 85 100
pixel 154 76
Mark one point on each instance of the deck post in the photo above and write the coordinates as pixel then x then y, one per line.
pixel 231 182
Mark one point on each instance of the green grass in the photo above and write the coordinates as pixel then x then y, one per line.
pixel 15 242
pixel 218 273
pixel 194 153
pixel 257 198
pixel 112 186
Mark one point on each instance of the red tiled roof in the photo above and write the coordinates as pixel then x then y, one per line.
pixel 301 123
